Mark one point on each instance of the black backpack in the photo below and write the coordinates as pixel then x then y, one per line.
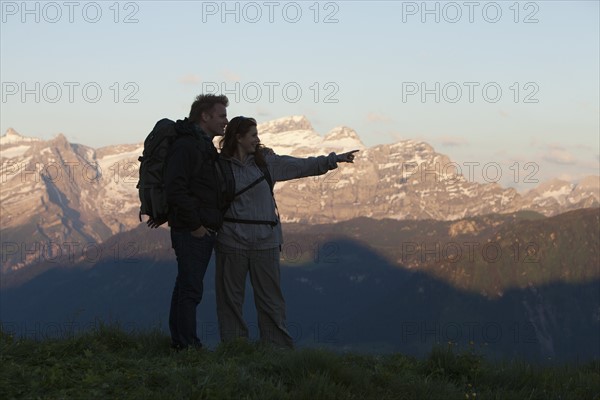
pixel 153 163
pixel 153 197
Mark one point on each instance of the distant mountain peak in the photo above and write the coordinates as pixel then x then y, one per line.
pixel 343 134
pixel 555 188
pixel 60 141
pixel 12 132
pixel 11 136
pixel 286 124
pixel 592 182
pixel 554 183
pixel 415 144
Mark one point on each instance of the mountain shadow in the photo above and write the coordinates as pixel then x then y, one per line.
pixel 346 297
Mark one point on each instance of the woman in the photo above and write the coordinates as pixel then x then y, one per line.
pixel 250 239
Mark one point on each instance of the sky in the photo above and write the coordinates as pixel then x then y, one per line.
pixel 499 87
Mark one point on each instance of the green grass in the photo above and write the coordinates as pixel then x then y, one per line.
pixel 111 364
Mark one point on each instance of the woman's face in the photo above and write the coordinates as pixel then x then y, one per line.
pixel 248 142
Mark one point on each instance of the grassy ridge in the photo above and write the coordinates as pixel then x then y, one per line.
pixel 109 363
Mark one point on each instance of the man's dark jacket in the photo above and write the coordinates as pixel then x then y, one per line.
pixel 191 180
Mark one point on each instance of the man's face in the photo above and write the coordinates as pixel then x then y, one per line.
pixel 216 121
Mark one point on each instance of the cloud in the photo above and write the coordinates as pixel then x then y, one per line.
pixel 261 112
pixel 231 76
pixel 452 141
pixel 374 117
pixel 392 135
pixel 566 177
pixel 190 79
pixel 558 155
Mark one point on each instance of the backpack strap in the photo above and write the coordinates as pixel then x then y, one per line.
pixel 250 221
pixel 265 171
pixel 250 186
pixel 267 175
pixel 264 176
pixel 226 180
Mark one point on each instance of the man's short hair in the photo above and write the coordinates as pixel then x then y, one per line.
pixel 205 103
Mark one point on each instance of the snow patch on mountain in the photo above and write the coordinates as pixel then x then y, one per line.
pixel 120 160
pixel 344 138
pixel 288 143
pixel 14 151
pixel 589 184
pixel 12 137
pixel 564 193
pixel 304 143
pixel 285 124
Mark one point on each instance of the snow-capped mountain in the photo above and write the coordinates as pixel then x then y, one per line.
pixel 55 192
pixel 554 196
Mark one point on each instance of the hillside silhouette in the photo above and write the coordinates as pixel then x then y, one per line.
pixel 340 294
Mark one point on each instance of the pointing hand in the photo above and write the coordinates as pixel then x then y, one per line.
pixel 346 157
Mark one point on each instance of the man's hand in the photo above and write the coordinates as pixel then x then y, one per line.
pixel 267 151
pixel 155 223
pixel 200 232
pixel 346 157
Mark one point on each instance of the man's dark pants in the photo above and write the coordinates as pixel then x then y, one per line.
pixel 193 255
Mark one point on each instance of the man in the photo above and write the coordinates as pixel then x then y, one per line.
pixel 194 198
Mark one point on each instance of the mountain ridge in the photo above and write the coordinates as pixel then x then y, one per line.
pixel 56 192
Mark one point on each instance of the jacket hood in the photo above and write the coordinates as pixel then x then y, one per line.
pixel 249 160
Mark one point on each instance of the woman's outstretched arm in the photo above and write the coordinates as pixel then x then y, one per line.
pixel 284 168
